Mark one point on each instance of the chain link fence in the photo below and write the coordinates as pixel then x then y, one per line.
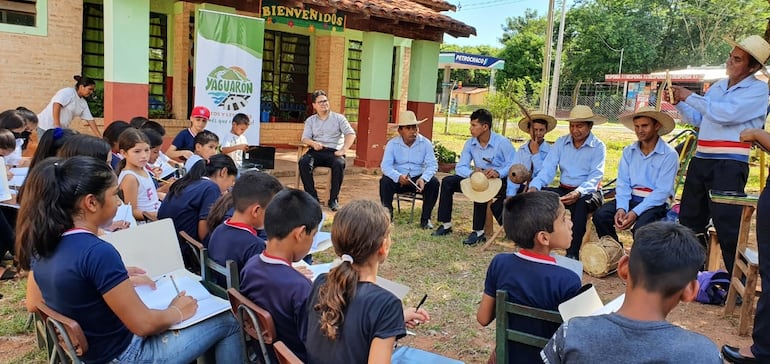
pixel 606 99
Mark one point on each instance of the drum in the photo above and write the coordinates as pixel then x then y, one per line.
pixel 600 258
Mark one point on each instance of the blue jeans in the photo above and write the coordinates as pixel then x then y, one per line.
pixel 222 332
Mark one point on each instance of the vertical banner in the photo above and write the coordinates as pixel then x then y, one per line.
pixel 228 69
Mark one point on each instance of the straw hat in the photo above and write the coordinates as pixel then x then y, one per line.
pixel 519 174
pixel 666 122
pixel 479 188
pixel 407 117
pixel 584 113
pixel 754 45
pixel 550 122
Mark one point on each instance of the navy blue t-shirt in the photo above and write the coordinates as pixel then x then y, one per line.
pixel 280 289
pixel 373 312
pixel 185 140
pixel 531 280
pixel 73 280
pixel 235 241
pixel 189 206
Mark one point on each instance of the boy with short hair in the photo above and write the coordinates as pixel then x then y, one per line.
pixel 206 144
pixel 537 222
pixel 291 222
pixel 235 141
pixel 237 238
pixel 184 143
pixel 660 272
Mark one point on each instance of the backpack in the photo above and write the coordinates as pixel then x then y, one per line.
pixel 713 287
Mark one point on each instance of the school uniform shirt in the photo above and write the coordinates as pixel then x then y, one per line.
pixel 73 280
pixel 525 157
pixel 147 196
pixel 647 179
pixel 330 132
pixel 231 140
pixel 415 160
pixel 274 285
pixel 497 155
pixel 234 241
pixel 722 114
pixel 115 160
pixel 190 162
pixel 190 205
pixel 72 106
pixel 532 280
pixel 373 312
pixel 185 140
pixel 581 169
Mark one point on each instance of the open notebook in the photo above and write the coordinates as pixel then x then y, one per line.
pixel 588 303
pixel 161 296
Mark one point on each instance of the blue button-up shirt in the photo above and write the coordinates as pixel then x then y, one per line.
pixel 497 155
pixel 582 168
pixel 722 114
pixel 401 159
pixel 534 162
pixel 646 177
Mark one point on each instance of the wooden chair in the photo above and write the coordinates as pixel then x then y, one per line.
pixel 256 324
pixel 284 354
pixel 211 270
pixel 746 268
pixel 68 340
pixel 410 197
pixel 148 218
pixel 504 334
pixel 196 247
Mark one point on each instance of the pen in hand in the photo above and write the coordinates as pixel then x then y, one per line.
pixel 174 283
pixel 421 302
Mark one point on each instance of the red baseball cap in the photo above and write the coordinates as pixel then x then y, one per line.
pixel 201 112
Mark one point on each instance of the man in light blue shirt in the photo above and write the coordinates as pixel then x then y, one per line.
pixel 491 154
pixel 409 165
pixel 580 159
pixel 646 176
pixel 721 160
pixel 532 153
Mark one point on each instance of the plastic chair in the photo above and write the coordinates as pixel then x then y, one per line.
pixel 69 341
pixel 211 270
pixel 284 354
pixel 504 334
pixel 256 324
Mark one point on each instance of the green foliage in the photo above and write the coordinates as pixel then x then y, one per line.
pixel 503 105
pixel 96 103
pixel 523 41
pixel 443 154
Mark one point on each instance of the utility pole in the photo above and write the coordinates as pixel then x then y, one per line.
pixel 557 65
pixel 547 58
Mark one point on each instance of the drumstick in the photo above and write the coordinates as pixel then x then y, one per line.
pixel 670 91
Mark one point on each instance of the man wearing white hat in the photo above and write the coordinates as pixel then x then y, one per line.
pixel 580 159
pixel 721 160
pixel 492 155
pixel 532 153
pixel 646 175
pixel 409 165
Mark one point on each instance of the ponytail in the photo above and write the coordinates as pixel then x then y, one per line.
pixel 218 210
pixel 52 190
pixel 203 168
pixel 358 232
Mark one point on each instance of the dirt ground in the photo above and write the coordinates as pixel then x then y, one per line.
pixel 705 319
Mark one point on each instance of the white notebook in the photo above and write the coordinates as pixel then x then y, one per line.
pixel 160 298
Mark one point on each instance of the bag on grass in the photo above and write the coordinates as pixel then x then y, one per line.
pixel 713 287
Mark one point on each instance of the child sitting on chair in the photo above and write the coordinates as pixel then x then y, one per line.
pixel 537 222
pixel 206 144
pixel 237 238
pixel 660 272
pixel 269 280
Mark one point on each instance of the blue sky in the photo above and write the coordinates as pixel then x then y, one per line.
pixel 488 16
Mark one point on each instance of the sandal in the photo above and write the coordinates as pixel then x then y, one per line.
pixel 7 273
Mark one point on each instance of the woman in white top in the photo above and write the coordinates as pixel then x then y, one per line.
pixel 67 104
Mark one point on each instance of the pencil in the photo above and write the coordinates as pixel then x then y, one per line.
pixel 174 283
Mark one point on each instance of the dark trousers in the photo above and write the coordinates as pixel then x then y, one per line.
pixel 761 335
pixel 604 218
pixel 579 213
pixel 450 185
pixel 7 232
pixel 322 158
pixel 696 208
pixel 429 194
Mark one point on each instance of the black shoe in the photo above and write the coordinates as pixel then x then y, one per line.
pixel 733 355
pixel 426 225
pixel 474 238
pixel 334 205
pixel 441 231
